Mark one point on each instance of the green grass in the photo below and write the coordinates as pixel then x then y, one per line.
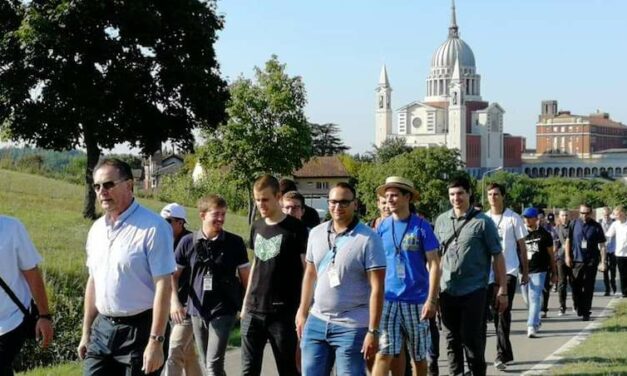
pixel 51 211
pixel 603 353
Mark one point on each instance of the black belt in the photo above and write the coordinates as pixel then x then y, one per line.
pixel 130 320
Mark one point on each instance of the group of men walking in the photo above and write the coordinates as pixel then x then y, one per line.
pixel 339 294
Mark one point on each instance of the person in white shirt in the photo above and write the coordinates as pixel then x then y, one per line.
pixel 20 273
pixel 618 229
pixel 512 233
pixel 130 259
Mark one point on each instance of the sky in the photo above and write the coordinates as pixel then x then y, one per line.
pixel 526 51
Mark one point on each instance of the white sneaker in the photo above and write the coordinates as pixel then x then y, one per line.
pixel 499 365
pixel 531 332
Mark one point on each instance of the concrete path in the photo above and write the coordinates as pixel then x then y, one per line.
pixel 529 353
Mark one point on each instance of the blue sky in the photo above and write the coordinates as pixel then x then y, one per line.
pixel 526 51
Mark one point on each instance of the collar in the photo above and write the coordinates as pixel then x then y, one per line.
pixel 124 216
pixel 464 216
pixel 351 227
pixel 201 235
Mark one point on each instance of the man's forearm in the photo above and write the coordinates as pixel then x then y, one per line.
pixel 306 293
pixel 35 282
pixel 89 309
pixel 434 278
pixel 499 273
pixel 161 305
pixel 376 297
pixel 522 254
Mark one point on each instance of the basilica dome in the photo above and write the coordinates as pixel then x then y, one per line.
pixel 446 55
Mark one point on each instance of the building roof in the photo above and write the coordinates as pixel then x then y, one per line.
pixel 453 49
pixel 322 167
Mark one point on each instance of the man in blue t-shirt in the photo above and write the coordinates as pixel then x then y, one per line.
pixel 410 289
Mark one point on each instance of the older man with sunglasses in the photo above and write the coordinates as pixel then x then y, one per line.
pixel 130 259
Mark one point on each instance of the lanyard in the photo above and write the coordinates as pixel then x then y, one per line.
pixel 469 216
pixel 398 246
pixel 333 246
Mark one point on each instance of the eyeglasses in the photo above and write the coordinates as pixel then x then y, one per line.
pixel 107 185
pixel 292 207
pixel 341 203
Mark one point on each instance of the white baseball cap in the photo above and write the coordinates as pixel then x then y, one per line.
pixel 174 210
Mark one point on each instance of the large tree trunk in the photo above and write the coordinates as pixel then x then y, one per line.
pixel 93 155
pixel 252 208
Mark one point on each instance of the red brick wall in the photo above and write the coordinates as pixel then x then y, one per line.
pixel 513 147
pixel 473 150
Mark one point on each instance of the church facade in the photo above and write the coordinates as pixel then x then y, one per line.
pixel 453 113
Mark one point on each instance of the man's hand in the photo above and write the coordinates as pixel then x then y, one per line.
pixel 602 267
pixel 301 318
pixel 429 309
pixel 370 346
pixel 153 357
pixel 524 279
pixel 501 303
pixel 82 347
pixel 554 280
pixel 44 331
pixel 569 261
pixel 178 313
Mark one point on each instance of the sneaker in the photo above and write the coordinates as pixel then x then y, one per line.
pixel 499 365
pixel 585 318
pixel 618 293
pixel 544 314
pixel 561 313
pixel 531 332
pixel 607 293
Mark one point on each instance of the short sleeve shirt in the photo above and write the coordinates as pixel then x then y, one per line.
pixel 124 257
pixel 511 228
pixel 358 250
pixel 610 243
pixel 17 253
pixel 618 231
pixel 278 271
pixel 466 265
pixel 407 242
pixel 220 258
pixel 538 243
pixel 585 239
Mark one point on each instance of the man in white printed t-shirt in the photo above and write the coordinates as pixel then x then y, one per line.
pixel 618 229
pixel 512 232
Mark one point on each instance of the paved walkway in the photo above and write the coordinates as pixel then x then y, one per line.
pixel 529 352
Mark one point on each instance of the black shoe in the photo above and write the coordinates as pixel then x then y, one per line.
pixel 433 370
pixel 585 318
pixel 607 293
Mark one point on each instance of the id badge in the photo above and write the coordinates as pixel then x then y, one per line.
pixel 400 268
pixel 500 234
pixel 334 277
pixel 207 282
pixel 584 244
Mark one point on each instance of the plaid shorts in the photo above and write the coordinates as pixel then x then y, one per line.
pixel 401 321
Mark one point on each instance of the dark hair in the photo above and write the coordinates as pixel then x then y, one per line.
pixel 586 205
pixel 498 186
pixel 207 203
pixel 344 185
pixel 124 170
pixel 267 181
pixel 477 205
pixel 460 182
pixel 294 195
pixel 287 185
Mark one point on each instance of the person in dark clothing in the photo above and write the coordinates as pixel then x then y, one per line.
pixel 583 254
pixel 564 273
pixel 310 216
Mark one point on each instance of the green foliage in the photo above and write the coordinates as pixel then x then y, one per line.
pixel 429 170
pixel 389 149
pixel 267 131
pixel 325 139
pixel 95 74
pixel 521 190
pixel 180 188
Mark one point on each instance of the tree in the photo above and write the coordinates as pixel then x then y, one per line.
pixel 267 131
pixel 325 139
pixel 389 149
pixel 429 169
pixel 91 74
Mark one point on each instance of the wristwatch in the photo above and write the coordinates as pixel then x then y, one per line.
pixel 157 338
pixel 374 332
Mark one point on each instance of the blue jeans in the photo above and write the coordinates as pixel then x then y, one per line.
pixel 532 295
pixel 323 343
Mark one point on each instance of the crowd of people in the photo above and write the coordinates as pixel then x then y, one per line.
pixel 345 295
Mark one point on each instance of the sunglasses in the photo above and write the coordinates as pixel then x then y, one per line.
pixel 106 185
pixel 340 203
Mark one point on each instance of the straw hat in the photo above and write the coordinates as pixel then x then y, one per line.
pixel 400 183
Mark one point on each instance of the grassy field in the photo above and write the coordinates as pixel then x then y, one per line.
pixel 51 211
pixel 603 353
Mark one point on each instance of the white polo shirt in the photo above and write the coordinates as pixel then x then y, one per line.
pixel 17 253
pixel 511 228
pixel 124 257
pixel 619 230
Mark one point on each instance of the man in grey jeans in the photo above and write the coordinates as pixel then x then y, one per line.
pixel 214 256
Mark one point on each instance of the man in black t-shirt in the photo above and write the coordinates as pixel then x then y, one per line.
pixel 212 257
pixel 541 261
pixel 272 298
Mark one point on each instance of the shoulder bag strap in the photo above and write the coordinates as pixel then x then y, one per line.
pixel 459 231
pixel 11 295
